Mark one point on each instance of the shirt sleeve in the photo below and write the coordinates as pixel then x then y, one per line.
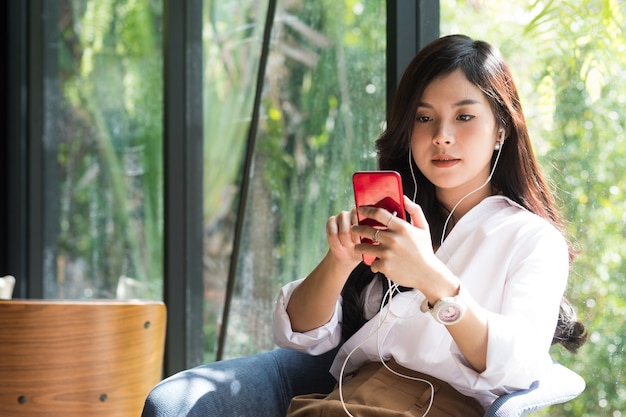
pixel 521 333
pixel 314 342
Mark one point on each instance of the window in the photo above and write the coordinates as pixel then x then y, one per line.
pixel 105 170
pixel 322 106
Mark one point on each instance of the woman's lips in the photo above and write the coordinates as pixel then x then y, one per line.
pixel 445 161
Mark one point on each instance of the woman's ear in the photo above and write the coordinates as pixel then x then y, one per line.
pixel 499 143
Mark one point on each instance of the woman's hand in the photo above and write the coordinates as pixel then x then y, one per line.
pixel 313 302
pixel 405 253
pixel 341 240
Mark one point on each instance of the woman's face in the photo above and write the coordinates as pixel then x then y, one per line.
pixel 454 135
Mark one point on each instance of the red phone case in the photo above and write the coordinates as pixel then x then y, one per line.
pixel 378 189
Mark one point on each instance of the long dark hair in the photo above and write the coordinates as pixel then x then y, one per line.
pixel 517 174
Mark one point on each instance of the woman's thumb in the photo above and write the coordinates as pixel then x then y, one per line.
pixel 417 215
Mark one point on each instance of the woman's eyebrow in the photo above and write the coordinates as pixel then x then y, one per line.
pixel 459 103
pixel 465 102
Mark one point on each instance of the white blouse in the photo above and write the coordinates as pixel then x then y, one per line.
pixel 512 262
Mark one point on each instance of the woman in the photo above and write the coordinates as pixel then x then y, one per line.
pixel 483 228
pixel 483 241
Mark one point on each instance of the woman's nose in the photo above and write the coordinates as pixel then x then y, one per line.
pixel 443 136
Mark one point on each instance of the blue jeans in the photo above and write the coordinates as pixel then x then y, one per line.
pixel 260 385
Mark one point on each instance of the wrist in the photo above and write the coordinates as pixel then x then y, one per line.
pixel 336 265
pixel 447 310
pixel 446 286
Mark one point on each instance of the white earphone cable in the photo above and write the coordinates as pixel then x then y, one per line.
pixel 493 169
pixel 387 296
pixel 412 174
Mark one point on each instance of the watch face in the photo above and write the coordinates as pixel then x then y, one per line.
pixel 449 313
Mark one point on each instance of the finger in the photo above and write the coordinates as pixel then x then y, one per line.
pixel 354 219
pixel 375 235
pixel 346 236
pixel 393 215
pixel 332 226
pixel 378 214
pixel 341 224
pixel 366 232
pixel 417 215
pixel 336 225
pixel 368 249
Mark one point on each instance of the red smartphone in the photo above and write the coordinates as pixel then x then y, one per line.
pixel 378 189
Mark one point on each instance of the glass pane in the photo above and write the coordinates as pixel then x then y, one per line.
pixel 569 63
pixel 110 187
pixel 232 38
pixel 323 107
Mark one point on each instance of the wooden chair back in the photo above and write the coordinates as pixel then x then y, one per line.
pixel 79 358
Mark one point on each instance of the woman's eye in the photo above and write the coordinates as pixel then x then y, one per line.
pixel 465 117
pixel 422 119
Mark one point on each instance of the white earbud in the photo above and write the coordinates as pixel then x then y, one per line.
pixel 499 144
